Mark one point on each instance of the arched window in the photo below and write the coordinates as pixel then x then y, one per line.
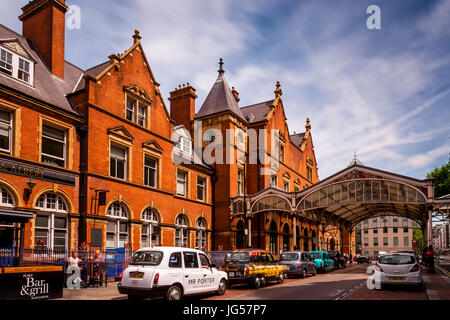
pixel 51 223
pixel 181 232
pixel 117 226
pixel 7 230
pixel 305 240
pixel 240 235
pixel 273 238
pixel 150 235
pixel 6 200
pixel 200 234
pixel 286 236
pixel 332 244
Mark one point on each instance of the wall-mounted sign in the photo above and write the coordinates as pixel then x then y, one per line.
pixel 31 283
pixel 39 173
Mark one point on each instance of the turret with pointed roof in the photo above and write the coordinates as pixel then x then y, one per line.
pixel 220 98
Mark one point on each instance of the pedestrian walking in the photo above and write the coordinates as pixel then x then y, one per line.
pixel 351 259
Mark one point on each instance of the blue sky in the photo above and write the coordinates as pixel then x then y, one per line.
pixel 384 93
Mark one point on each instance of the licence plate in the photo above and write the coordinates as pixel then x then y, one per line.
pixel 137 275
pixel 231 274
pixel 396 278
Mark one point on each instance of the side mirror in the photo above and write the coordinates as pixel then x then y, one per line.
pixel 213 265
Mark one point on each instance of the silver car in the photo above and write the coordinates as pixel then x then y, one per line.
pixel 299 262
pixel 399 268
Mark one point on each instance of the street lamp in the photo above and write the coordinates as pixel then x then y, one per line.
pixel 31 184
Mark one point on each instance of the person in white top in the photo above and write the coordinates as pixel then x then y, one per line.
pixel 73 262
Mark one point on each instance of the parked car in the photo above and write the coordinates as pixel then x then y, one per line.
pixel 338 262
pixel 171 272
pixel 322 260
pixel 399 268
pixel 362 258
pixel 255 267
pixel 299 263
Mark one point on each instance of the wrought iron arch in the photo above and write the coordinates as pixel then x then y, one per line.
pixel 271 202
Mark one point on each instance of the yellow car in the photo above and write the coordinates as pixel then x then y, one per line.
pixel 253 266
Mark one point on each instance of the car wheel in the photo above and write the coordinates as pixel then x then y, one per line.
pixel 222 287
pixel 281 279
pixel 257 283
pixel 303 274
pixel 174 293
pixel 263 281
pixel 314 271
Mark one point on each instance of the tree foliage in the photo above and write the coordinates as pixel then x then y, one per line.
pixel 441 178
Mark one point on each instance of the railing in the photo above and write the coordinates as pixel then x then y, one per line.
pixel 115 260
pixel 6 257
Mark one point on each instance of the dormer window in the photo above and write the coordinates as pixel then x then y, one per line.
pixel 24 70
pixel 15 66
pixel 6 62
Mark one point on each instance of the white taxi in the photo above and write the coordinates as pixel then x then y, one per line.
pixel 171 272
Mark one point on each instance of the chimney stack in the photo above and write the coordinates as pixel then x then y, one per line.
pixel 182 105
pixel 44 23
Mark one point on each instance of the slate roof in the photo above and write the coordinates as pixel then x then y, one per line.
pixel 297 138
pixel 257 112
pixel 46 87
pixel 220 99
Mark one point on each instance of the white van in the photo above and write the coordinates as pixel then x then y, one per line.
pixel 171 272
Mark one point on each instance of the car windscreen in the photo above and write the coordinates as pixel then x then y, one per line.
pixel 396 260
pixel 332 254
pixel 289 256
pixel 315 255
pixel 147 258
pixel 237 257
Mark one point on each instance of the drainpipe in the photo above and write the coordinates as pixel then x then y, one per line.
pixel 82 209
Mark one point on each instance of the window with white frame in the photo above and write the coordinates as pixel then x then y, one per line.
pixel 6 63
pixel 51 223
pixel 273 181
pixel 118 162
pixel 117 228
pixel 182 183
pixel 286 186
pixel 24 70
pixel 240 182
pixel 142 115
pixel 136 111
pixel 6 199
pixel 6 125
pixel 200 234
pixel 53 146
pixel 150 235
pixel 16 66
pixel 151 172
pixel 181 232
pixel 201 188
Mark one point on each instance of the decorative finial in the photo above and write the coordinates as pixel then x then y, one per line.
pixel 355 160
pixel 308 124
pixel 221 66
pixel 278 91
pixel 136 36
